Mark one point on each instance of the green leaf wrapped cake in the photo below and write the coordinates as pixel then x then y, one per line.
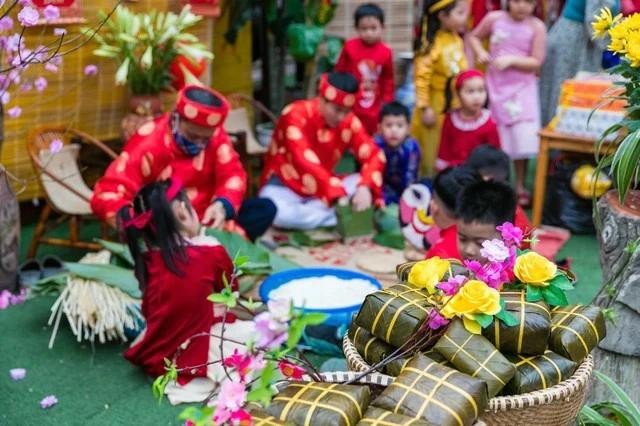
pixel 379 417
pixel 538 372
pixel 435 393
pixel 476 356
pixel 530 335
pixel 394 314
pixel 262 418
pixel 372 349
pixel 576 330
pixel 315 403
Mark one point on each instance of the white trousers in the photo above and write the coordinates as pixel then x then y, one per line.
pixel 298 212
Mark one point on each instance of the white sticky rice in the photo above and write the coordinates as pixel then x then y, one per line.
pixel 326 292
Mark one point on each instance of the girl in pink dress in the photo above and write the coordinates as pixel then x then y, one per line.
pixel 517 42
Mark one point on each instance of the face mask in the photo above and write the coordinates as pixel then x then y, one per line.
pixel 187 146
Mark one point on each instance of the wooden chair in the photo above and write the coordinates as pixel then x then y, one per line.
pixel 65 190
pixel 240 124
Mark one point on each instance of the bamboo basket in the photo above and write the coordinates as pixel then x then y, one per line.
pixel 556 406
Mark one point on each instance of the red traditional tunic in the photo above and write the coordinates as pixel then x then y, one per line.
pixel 176 308
pixel 461 136
pixel 372 65
pixel 447 246
pixel 151 154
pixel 304 151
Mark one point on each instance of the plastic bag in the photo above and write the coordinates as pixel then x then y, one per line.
pixel 562 206
pixel 303 41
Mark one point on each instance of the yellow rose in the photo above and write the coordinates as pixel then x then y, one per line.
pixel 532 268
pixel 427 273
pixel 475 297
pixel 603 22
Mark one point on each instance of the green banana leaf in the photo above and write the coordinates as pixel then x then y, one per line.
pixel 112 275
pixel 121 251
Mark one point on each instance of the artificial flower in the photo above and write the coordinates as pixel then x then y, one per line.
pixel 51 67
pixel 291 371
pixel 435 320
pixel 17 373
pixel 232 395
pixel 475 297
pixel 51 13
pixel 90 70
pixel 603 22
pixel 271 333
pixel 427 273
pixel 510 233
pixel 28 16
pixel 55 146
pixel 534 269
pixel 40 84
pixel 5 98
pixel 280 309
pixel 494 274
pixel 16 299
pixel 452 285
pixel 6 23
pixel 241 363
pixel 5 299
pixel 48 401
pixel 494 250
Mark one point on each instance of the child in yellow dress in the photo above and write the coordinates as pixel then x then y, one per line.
pixel 439 57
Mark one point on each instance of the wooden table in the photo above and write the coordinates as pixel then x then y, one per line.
pixel 562 142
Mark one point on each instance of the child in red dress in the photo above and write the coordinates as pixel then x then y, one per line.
pixel 178 269
pixel 371 61
pixel 469 126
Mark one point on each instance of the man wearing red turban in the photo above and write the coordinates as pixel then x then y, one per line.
pixel 191 144
pixel 308 142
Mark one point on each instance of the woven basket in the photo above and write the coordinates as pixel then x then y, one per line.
pixel 558 405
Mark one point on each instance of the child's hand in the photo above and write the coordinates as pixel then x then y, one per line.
pixel 362 199
pixel 214 216
pixel 483 57
pixel 503 62
pixel 428 117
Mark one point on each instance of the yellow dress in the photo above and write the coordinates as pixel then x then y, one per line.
pixel 431 72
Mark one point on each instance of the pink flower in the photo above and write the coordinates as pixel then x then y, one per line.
pixel 493 273
pixel 232 395
pixel 13 43
pixel 19 298
pixel 239 362
pixel 5 98
pixel 58 32
pixel 51 13
pixel 28 16
pixel 6 23
pixel 452 285
pixel 271 333
pixel 25 87
pixel 241 417
pixel 49 66
pixel 511 234
pixel 15 112
pixel 40 84
pixel 221 416
pixel 435 320
pixel 290 370
pixel 189 423
pixel 494 250
pixel 90 70
pixel 280 309
pixel 5 299
pixel 17 373
pixel 48 401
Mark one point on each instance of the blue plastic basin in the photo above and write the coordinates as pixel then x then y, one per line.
pixel 335 317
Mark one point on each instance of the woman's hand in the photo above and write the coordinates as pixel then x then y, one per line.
pixel 503 62
pixel 428 117
pixel 362 199
pixel 214 216
pixel 482 56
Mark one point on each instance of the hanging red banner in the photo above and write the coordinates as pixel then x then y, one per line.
pixel 58 3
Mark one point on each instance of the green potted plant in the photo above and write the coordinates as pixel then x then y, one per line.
pixel 617 213
pixel 145 45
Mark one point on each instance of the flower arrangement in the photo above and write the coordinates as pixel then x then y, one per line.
pixel 474 294
pixel 145 44
pixel 624 34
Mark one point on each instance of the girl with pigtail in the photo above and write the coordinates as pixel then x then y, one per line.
pixel 177 269
pixel 438 57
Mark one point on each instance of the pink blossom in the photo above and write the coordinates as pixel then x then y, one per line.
pixel 40 84
pixel 290 370
pixel 271 333
pixel 28 16
pixel 241 363
pixel 25 3
pixel 48 401
pixel 15 112
pixel 494 250
pixel 25 87
pixel 58 32
pixel 435 320
pixel 189 423
pixel 13 43
pixel 5 299
pixel 221 416
pixel 493 273
pixel 280 309
pixel 19 298
pixel 5 98
pixel 232 395
pixel 240 417
pixel 452 285
pixel 17 373
pixel 6 23
pixel 55 146
pixel 90 70
pixel 49 66
pixel 511 234
pixel 51 13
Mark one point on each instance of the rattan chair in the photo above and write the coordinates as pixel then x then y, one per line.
pixel 65 190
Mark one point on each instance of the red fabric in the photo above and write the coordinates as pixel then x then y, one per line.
pixel 521 220
pixel 447 246
pixel 335 95
pixel 456 144
pixel 304 151
pixel 151 154
pixel 466 75
pixel 176 308
pixel 372 65
pixel 201 114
